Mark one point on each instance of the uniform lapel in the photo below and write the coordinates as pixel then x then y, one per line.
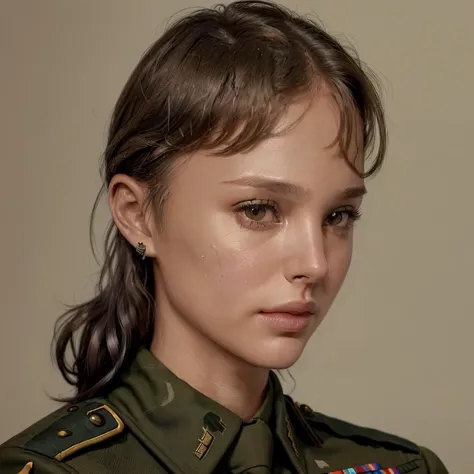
pixel 187 431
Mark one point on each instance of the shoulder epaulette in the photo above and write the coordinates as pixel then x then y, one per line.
pixel 360 434
pixel 84 424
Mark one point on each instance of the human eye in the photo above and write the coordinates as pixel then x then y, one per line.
pixel 343 218
pixel 258 214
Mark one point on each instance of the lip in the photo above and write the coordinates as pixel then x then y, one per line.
pixel 290 317
pixel 293 307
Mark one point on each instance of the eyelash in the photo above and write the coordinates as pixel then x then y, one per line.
pixel 352 214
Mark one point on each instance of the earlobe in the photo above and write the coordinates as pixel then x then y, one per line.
pixel 127 200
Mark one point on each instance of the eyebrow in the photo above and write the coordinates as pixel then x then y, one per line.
pixel 289 189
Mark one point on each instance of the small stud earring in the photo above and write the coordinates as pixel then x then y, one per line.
pixel 141 250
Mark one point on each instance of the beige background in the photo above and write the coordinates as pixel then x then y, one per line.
pixel 396 351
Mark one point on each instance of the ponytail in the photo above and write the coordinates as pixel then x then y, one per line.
pixel 105 332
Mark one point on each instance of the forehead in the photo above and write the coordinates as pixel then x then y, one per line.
pixel 305 150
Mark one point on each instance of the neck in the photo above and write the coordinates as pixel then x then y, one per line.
pixel 208 368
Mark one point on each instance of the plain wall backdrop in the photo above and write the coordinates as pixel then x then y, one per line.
pixel 395 352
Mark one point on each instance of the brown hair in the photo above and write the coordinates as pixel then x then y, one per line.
pixel 218 79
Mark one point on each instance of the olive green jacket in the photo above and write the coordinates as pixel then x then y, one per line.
pixel 153 422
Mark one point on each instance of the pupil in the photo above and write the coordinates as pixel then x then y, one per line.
pixel 255 212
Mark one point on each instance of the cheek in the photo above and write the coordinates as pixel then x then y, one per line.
pixel 231 258
pixel 232 270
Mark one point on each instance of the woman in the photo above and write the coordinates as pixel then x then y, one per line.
pixel 235 170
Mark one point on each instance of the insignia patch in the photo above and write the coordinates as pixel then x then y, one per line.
pixel 204 444
pixel 212 424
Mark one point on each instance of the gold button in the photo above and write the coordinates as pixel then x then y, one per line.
pixel 96 419
pixel 63 433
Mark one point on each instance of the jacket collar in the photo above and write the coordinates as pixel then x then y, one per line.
pixel 183 428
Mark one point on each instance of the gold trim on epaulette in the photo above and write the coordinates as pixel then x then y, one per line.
pixel 28 467
pixel 97 439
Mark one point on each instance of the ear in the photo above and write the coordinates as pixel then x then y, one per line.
pixel 127 199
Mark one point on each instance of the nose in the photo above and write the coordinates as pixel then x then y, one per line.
pixel 306 260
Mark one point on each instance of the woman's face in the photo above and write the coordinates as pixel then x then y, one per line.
pixel 256 246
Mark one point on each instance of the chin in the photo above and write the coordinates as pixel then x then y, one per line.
pixel 280 354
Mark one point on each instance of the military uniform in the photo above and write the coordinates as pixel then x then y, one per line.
pixel 153 422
